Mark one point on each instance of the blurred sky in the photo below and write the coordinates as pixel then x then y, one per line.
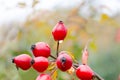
pixel 11 11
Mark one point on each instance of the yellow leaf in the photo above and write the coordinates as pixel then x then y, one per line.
pixel 72 56
pixel 54 75
pixel 52 66
pixel 71 71
pixel 35 2
pixel 19 35
pixel 104 17
pixel 93 46
pixel 22 4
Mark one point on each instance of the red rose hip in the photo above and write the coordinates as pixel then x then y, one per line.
pixel 41 49
pixel 22 61
pixel 64 61
pixel 59 32
pixel 43 77
pixel 84 72
pixel 40 64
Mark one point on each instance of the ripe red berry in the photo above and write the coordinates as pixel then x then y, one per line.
pixel 84 72
pixel 64 61
pixel 59 32
pixel 40 64
pixel 41 49
pixel 43 77
pixel 22 61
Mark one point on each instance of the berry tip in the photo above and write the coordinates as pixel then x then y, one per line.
pixel 32 47
pixel 60 21
pixel 13 60
pixel 32 62
pixel 63 59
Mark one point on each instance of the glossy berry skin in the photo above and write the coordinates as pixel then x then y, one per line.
pixel 40 64
pixel 43 77
pixel 59 32
pixel 22 61
pixel 84 72
pixel 64 61
pixel 41 49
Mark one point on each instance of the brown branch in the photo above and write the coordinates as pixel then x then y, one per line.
pixel 97 76
pixel 57 48
pixel 52 57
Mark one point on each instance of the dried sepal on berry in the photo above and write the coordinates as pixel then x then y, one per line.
pixel 85 54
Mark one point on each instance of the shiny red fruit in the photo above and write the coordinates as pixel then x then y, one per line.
pixel 40 64
pixel 64 61
pixel 59 32
pixel 43 77
pixel 22 61
pixel 41 49
pixel 84 72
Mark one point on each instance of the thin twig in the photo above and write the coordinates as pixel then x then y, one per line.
pixel 98 76
pixel 52 57
pixel 57 48
pixel 75 66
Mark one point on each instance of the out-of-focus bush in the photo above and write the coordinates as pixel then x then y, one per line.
pixel 103 48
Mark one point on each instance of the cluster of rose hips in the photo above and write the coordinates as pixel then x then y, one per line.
pixel 64 61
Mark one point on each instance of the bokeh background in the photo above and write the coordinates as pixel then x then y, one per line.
pixel 25 22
